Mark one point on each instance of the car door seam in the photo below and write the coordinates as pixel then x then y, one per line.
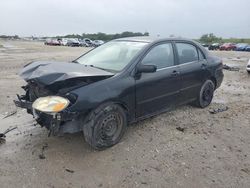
pixel 158 97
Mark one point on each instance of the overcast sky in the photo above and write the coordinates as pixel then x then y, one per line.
pixel 186 18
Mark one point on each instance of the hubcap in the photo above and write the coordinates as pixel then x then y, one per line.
pixel 207 94
pixel 110 127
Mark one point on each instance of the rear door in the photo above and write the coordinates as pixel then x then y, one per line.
pixel 159 90
pixel 192 70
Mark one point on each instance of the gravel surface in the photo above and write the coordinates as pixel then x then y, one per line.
pixel 187 147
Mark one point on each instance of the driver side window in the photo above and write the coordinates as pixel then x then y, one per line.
pixel 161 56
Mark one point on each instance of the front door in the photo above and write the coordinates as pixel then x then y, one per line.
pixel 159 90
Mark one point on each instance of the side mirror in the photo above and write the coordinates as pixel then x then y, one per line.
pixel 146 68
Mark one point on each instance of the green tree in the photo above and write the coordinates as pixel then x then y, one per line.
pixel 209 38
pixel 104 36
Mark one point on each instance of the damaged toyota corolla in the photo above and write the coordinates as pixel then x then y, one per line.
pixel 118 83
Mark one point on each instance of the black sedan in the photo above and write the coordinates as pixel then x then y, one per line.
pixel 214 46
pixel 121 82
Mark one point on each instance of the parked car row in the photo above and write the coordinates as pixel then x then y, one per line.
pixel 73 42
pixel 228 46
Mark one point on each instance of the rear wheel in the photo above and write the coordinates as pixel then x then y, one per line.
pixel 206 94
pixel 105 126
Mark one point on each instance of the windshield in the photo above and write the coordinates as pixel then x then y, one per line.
pixel 112 56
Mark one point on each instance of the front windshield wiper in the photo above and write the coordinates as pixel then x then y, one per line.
pixel 108 70
pixel 75 61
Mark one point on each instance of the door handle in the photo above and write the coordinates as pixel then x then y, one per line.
pixel 203 66
pixel 175 73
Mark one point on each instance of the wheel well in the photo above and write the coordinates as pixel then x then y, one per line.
pixel 123 106
pixel 214 81
pixel 86 114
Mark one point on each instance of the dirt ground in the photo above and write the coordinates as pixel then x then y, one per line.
pixel 212 150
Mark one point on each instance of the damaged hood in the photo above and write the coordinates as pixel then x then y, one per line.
pixel 49 72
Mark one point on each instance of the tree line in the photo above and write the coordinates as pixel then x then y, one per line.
pixel 104 36
pixel 92 36
pixel 211 38
pixel 205 38
pixel 9 37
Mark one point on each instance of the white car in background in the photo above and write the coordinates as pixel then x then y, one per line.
pixel 88 41
pixel 97 43
pixel 64 41
pixel 73 42
pixel 248 66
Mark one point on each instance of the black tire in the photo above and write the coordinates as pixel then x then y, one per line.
pixel 248 72
pixel 206 94
pixel 105 126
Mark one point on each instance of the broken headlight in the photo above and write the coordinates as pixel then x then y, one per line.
pixel 50 104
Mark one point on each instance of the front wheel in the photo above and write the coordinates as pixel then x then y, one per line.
pixel 105 126
pixel 206 94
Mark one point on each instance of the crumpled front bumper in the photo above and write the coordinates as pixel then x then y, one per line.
pixel 57 123
pixel 23 103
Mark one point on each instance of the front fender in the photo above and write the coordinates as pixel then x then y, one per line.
pixel 119 90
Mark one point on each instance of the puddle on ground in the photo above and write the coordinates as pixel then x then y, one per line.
pixel 12 47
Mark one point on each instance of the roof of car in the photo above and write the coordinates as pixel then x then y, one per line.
pixel 149 39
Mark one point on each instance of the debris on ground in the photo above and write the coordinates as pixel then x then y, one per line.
pixel 41 155
pixel 246 170
pixel 218 110
pixel 10 114
pixel 239 59
pixel 182 129
pixel 2 140
pixel 3 135
pixel 68 170
pixel 226 67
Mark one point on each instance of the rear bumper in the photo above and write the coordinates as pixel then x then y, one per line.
pixel 219 78
pixel 59 123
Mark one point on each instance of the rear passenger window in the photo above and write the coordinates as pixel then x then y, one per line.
pixel 186 52
pixel 162 56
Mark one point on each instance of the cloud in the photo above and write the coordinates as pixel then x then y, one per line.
pixel 187 18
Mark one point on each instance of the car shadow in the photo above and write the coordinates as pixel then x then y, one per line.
pixel 36 138
pixel 75 143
